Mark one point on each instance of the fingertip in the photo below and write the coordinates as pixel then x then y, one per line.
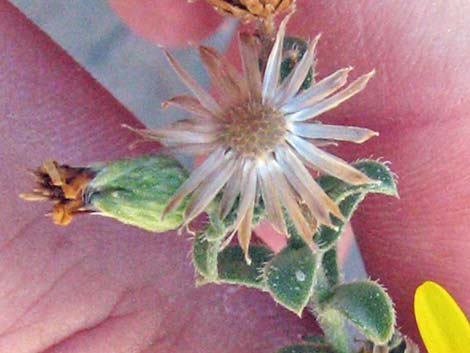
pixel 168 22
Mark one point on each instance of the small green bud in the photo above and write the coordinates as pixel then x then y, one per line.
pixel 136 191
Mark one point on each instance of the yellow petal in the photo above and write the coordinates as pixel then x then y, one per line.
pixel 442 324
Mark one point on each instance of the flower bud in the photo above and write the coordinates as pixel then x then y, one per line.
pixel 132 191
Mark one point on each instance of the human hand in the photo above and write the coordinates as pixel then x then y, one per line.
pixel 418 101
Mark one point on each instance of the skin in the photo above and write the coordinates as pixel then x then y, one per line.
pixel 99 286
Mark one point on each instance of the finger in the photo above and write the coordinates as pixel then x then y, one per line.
pixel 97 286
pixel 419 103
pixel 168 22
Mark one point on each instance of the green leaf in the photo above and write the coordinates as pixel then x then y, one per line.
pixel 290 277
pixel 349 196
pixel 327 275
pixel 233 268
pixel 330 267
pixel 367 306
pixel 326 237
pixel 375 170
pixel 305 348
pixel 229 220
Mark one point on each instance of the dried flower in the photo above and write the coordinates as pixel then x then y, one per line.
pixel 259 135
pixel 249 10
pixel 133 191
pixel 64 186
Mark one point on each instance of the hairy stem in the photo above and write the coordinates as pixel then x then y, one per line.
pixel 332 325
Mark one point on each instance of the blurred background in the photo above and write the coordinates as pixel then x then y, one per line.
pixel 131 68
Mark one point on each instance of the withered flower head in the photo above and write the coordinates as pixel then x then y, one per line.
pixel 64 186
pixel 249 10
pixel 133 191
pixel 260 136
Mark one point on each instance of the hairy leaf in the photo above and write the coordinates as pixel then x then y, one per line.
pixel 349 196
pixel 290 277
pixel 233 268
pixel 367 306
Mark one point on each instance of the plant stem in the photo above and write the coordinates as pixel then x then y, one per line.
pixel 332 325
pixel 331 322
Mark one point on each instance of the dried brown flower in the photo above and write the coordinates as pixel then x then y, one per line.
pixel 249 10
pixel 62 185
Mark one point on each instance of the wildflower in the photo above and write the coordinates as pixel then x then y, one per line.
pixel 259 136
pixel 442 325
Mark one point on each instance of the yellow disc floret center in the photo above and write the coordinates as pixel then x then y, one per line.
pixel 252 129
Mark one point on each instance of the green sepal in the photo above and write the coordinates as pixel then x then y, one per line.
pixel 349 196
pixel 233 269
pixel 293 51
pixel 136 191
pixel 367 306
pixel 290 277
pixel 306 348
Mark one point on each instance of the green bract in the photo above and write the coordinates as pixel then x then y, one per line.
pixel 135 191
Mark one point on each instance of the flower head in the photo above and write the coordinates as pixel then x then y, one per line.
pixel 260 137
